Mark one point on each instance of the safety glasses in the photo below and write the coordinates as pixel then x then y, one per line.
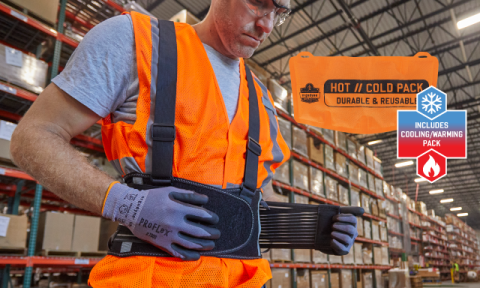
pixel 261 8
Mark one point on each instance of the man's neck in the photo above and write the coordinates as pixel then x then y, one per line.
pixel 208 34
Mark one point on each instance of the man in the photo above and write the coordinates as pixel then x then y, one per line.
pixel 224 138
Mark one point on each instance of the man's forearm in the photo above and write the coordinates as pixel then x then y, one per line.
pixel 49 158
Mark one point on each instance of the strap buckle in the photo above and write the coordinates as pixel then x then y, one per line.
pixel 254 146
pixel 163 132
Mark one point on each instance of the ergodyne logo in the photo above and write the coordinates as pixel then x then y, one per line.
pixel 309 94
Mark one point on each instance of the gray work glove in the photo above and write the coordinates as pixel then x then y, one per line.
pixel 345 229
pixel 168 217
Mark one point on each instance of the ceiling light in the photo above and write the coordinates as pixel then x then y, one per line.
pixel 420 180
pixel 446 200
pixel 462 214
pixel 468 21
pixel 456 209
pixel 374 142
pixel 402 164
pixel 438 191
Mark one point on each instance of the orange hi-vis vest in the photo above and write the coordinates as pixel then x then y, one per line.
pixel 207 149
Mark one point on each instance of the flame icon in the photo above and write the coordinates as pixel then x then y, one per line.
pixel 431 164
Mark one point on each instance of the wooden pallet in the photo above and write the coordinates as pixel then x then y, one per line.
pixel 47 252
pixel 97 254
pixel 13 251
pixel 281 261
pixel 78 254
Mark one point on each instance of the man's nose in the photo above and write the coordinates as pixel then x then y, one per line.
pixel 266 23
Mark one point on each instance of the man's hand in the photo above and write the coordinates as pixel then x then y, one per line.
pixel 345 229
pixel 169 218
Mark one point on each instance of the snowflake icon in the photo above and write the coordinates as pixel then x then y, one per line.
pixel 431 102
pixel 434 103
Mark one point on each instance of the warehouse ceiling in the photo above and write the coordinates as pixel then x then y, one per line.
pixel 387 28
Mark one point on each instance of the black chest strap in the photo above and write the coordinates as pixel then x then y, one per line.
pixel 163 130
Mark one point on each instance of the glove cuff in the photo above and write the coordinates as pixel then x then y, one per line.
pixel 116 192
pixel 106 194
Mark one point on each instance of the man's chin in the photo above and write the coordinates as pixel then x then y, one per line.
pixel 244 51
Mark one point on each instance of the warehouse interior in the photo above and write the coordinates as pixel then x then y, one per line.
pixel 408 225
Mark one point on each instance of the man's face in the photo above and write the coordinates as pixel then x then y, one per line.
pixel 240 30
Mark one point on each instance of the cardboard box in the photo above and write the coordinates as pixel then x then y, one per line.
pixel 429 272
pixel 334 259
pixel 374 206
pixel 279 94
pixel 86 233
pixel 30 74
pixel 341 165
pixel 378 166
pixel 367 229
pixel 107 228
pixel 300 141
pixel 383 234
pixel 329 158
pixel 367 253
pixel 385 255
pixel 358 252
pixel 45 9
pixel 379 186
pixel 281 255
pixel 341 140
pixel 185 17
pixel 342 194
pixel 371 182
pixel 366 203
pixel 303 278
pixel 387 191
pixel 421 207
pixel 331 188
pixel 361 154
pixel 351 148
pixel 316 181
pixel 300 175
pixel 302 256
pixel 367 280
pixel 346 279
pixel 377 255
pixel 378 279
pixel 360 226
pixel 381 208
pixel 266 255
pixel 16 236
pixel 319 257
pixel 315 150
pixel 319 279
pixel 285 127
pixel 398 278
pixel 362 178
pixel 281 278
pixel 375 231
pixel 350 257
pixel 329 135
pixel 334 280
pixel 55 231
pixel 300 199
pixel 353 172
pixel 369 157
pixel 355 197
pixel 282 173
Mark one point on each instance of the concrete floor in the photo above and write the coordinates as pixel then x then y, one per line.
pixel 449 284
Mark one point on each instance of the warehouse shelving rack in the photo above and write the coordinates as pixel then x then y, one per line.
pixel 291 190
pixel 467 239
pixel 434 229
pixel 26 34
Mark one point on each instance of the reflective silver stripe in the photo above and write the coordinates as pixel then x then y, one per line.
pixel 153 93
pixel 231 185
pixel 126 165
pixel 276 151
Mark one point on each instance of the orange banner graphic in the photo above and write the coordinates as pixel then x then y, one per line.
pixel 358 94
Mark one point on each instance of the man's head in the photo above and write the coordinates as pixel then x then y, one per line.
pixel 242 25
